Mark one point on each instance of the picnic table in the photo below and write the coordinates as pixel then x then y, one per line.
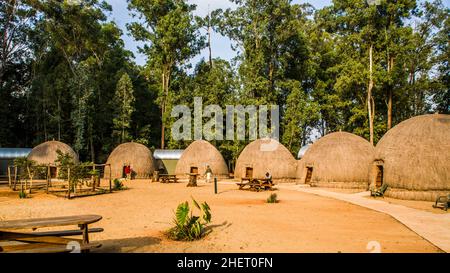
pixel 49 241
pixel 255 184
pixel 168 178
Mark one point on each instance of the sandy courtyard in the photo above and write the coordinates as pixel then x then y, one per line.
pixel 134 220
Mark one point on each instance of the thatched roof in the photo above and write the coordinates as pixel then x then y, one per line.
pixel 339 160
pixel 137 155
pixel 200 154
pixel 45 153
pixel 415 156
pixel 266 155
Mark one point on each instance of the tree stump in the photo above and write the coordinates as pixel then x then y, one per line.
pixel 192 180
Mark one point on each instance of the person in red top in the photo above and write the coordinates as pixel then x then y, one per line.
pixel 127 172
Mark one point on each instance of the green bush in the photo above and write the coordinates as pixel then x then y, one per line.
pixel 118 185
pixel 187 226
pixel 272 198
pixel 22 194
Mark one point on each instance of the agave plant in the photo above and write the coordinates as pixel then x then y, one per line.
pixel 273 198
pixel 189 227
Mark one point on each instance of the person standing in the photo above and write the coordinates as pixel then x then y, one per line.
pixel 208 174
pixel 128 172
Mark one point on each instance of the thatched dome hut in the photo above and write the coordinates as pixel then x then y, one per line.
pixel 266 155
pixel 197 156
pixel 45 153
pixel 138 156
pixel 338 160
pixel 413 159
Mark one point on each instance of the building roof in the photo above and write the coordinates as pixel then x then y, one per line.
pixel 12 153
pixel 167 154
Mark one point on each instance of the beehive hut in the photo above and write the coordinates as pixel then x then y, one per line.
pixel 197 156
pixel 138 156
pixel 46 154
pixel 338 160
pixel 300 169
pixel 413 159
pixel 266 155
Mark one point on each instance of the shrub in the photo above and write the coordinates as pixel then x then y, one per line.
pixel 272 198
pixel 118 185
pixel 187 226
pixel 22 194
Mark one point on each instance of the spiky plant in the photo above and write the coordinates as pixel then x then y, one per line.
pixel 273 198
pixel 189 227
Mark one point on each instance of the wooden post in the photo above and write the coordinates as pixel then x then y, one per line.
pixel 110 174
pixel 93 178
pixel 15 178
pixel 68 180
pixel 48 181
pixel 30 177
pixel 9 176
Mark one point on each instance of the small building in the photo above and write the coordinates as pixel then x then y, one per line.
pixel 166 160
pixel 197 156
pixel 7 156
pixel 337 160
pixel 46 154
pixel 413 159
pixel 132 154
pixel 266 155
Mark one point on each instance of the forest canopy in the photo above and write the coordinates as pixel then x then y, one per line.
pixel 358 66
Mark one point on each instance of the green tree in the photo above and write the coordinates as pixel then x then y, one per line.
pixel 172 38
pixel 124 101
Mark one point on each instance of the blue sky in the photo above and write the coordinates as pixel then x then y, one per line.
pixel 221 46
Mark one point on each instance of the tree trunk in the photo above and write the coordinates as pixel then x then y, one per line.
pixel 209 43
pixel 165 85
pixel 390 93
pixel 369 94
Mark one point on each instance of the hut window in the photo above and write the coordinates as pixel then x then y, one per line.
pixel 309 171
pixel 249 172
pixel 194 170
pixel 379 179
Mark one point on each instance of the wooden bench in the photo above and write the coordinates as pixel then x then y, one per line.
pixel 255 184
pixel 50 241
pixel 168 178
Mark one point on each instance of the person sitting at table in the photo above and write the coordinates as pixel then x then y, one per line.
pixel 268 177
pixel 208 174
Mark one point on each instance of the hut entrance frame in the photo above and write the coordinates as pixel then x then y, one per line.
pixel 194 169
pixel 309 172
pixel 53 171
pixel 249 172
pixel 377 174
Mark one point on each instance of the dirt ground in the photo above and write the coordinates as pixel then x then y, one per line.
pixel 134 220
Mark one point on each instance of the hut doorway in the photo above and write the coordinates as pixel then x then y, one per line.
pixel 309 171
pixel 194 170
pixel 379 177
pixel 249 172
pixel 53 172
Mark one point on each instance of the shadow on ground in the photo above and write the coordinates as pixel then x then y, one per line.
pixel 127 244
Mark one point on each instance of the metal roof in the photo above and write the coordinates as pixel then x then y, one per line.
pixel 167 154
pixel 303 150
pixel 11 153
